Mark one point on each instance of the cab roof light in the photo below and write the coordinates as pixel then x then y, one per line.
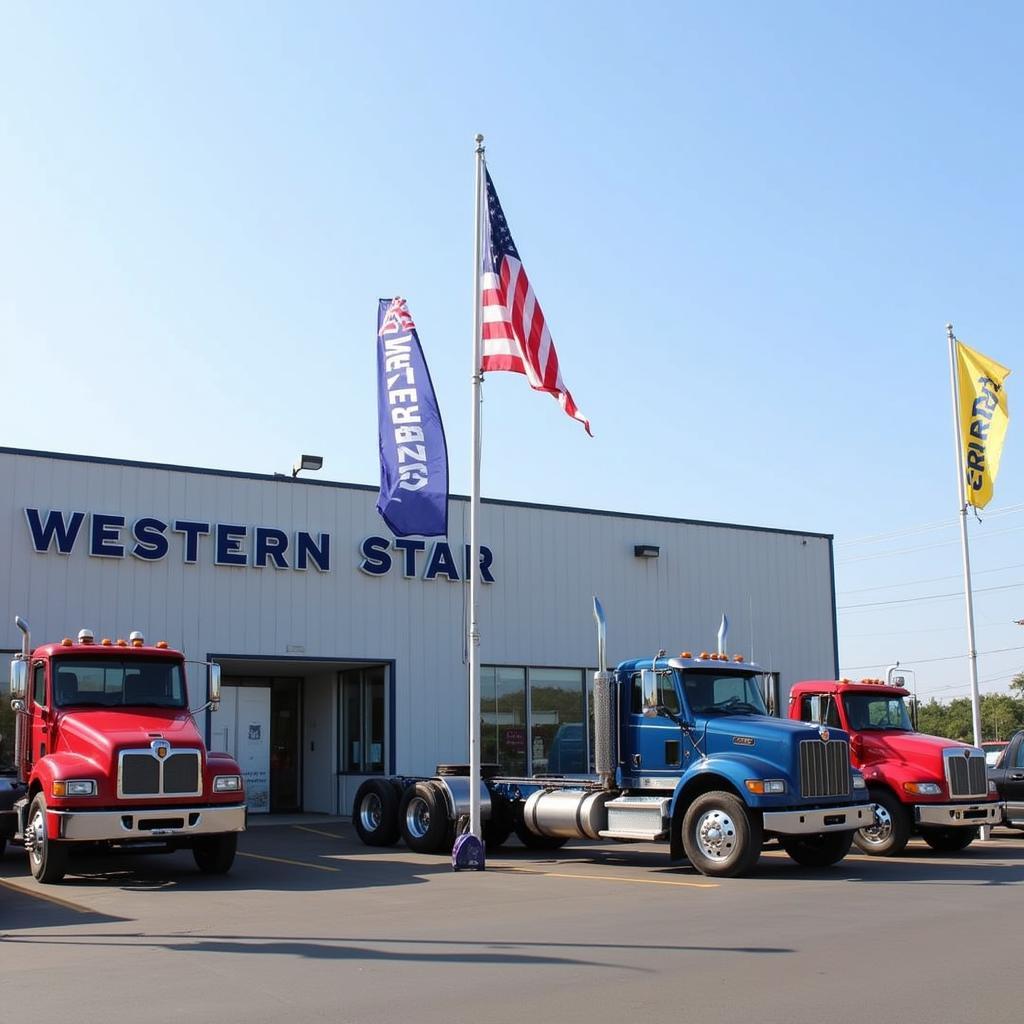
pixel 121 642
pixel 162 644
pixel 686 654
pixel 107 642
pixel 738 658
pixel 85 636
pixel 137 639
pixel 703 656
pixel 66 642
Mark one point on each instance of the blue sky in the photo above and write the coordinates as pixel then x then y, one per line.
pixel 748 225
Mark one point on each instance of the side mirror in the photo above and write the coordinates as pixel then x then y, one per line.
pixel 19 679
pixel 214 671
pixel 649 688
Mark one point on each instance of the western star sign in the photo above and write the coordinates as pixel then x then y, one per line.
pixel 106 535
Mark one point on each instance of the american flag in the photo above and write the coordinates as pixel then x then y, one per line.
pixel 515 334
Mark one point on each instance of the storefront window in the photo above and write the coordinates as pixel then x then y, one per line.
pixel 362 720
pixel 557 738
pixel 503 718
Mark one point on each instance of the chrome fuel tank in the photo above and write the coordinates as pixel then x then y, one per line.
pixel 567 813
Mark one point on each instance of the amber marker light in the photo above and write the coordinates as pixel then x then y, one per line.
pixel 686 654
pixel 162 644
pixel 106 642
pixel 738 658
pixel 66 642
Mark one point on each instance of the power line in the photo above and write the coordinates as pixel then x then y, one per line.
pixel 926 547
pixel 928 661
pixel 929 629
pixel 934 579
pixel 927 597
pixel 910 531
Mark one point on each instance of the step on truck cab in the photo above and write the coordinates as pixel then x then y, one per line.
pixel 684 753
pixel 108 755
pixel 920 785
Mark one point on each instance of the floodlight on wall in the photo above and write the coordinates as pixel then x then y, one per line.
pixel 307 462
pixel 646 550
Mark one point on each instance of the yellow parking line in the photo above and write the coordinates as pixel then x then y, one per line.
pixel 611 878
pixel 317 831
pixel 296 863
pixel 39 895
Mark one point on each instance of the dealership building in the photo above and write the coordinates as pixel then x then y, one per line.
pixel 343 648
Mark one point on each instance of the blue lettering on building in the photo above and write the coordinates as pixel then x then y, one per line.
pixel 377 559
pixel 151 539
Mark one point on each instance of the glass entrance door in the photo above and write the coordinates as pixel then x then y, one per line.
pixel 285 745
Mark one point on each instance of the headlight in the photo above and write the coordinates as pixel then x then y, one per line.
pixel 73 787
pixel 766 785
pixel 227 783
pixel 922 788
pixel 858 781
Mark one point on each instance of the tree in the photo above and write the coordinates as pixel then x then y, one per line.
pixel 1017 684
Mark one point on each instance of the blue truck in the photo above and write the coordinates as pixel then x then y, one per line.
pixel 684 752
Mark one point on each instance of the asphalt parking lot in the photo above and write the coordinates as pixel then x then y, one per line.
pixel 310 925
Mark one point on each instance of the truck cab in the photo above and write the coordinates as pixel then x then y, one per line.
pixel 920 785
pixel 108 754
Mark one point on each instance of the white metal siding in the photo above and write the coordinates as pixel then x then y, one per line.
pixel 776 588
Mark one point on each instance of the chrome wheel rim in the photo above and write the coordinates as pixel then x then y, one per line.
pixel 417 817
pixel 716 835
pixel 371 812
pixel 881 830
pixel 35 837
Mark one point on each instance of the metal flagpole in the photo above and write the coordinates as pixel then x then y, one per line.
pixel 972 653
pixel 474 511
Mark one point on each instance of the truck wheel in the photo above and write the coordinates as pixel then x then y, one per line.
pixel 949 840
pixel 47 858
pixel 719 835
pixel 375 812
pixel 891 830
pixel 214 855
pixel 423 819
pixel 820 851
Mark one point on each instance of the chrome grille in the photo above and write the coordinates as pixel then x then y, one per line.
pixel 965 776
pixel 142 773
pixel 824 768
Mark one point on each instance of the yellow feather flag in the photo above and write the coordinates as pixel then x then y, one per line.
pixel 983 420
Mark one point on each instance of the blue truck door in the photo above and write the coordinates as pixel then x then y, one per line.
pixel 653 745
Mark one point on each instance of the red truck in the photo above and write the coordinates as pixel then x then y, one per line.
pixel 108 755
pixel 920 785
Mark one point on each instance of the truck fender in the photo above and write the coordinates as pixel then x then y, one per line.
pixel 725 773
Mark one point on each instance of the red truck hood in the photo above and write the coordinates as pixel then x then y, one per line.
pixel 102 732
pixel 915 748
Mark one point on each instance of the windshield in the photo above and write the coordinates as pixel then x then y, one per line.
pixel 876 711
pixel 107 682
pixel 713 693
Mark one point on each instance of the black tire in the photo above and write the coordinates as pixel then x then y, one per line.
pixel 214 855
pixel 720 837
pixel 375 812
pixel 889 836
pixel 423 819
pixel 47 858
pixel 819 851
pixel 496 834
pixel 949 840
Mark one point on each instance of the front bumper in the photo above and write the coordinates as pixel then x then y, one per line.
pixel 146 823
pixel 827 819
pixel 988 812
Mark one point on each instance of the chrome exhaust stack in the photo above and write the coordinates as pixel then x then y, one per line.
pixel 26 639
pixel 723 634
pixel 604 706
